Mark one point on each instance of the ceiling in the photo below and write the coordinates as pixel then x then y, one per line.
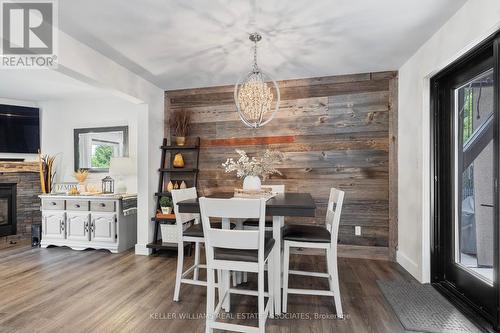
pixel 184 44
pixel 43 85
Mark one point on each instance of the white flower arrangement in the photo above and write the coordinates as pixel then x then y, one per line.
pixel 252 166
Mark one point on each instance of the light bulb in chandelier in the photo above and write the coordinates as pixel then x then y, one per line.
pixel 256 94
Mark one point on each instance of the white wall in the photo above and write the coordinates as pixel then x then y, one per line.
pixel 31 104
pixel 60 118
pixel 81 62
pixel 472 23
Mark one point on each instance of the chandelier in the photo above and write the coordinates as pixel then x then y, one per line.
pixel 255 93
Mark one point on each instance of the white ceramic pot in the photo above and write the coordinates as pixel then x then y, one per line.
pixel 166 210
pixel 251 183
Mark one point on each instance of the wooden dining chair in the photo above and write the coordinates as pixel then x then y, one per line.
pixel 316 237
pixel 240 250
pixel 189 229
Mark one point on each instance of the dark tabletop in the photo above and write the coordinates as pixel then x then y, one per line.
pixel 286 204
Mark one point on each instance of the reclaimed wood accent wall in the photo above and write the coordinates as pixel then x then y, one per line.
pixel 336 131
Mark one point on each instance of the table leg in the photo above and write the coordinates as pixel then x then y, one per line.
pixel 226 275
pixel 277 222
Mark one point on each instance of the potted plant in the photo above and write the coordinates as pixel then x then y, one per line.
pixel 166 205
pixel 252 169
pixel 180 124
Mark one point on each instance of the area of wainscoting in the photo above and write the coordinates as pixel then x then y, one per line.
pixel 336 131
pixel 26 176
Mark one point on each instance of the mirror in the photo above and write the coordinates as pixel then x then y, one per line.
pixel 94 147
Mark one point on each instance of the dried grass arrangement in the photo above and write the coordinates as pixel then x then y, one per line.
pixel 81 175
pixel 180 123
pixel 47 172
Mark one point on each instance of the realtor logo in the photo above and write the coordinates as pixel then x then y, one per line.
pixel 28 33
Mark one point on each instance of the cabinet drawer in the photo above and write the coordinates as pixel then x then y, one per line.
pixel 52 204
pixel 102 206
pixel 77 205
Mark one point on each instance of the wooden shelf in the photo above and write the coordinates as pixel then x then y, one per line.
pixel 168 173
pixel 187 147
pixel 177 170
pixel 160 216
pixel 163 194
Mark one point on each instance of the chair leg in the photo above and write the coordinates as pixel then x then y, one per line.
pixel 329 267
pixel 270 288
pixel 196 260
pixel 226 284
pixel 233 275
pixel 180 266
pixel 219 283
pixel 286 261
pixel 261 302
pixel 210 300
pixel 333 272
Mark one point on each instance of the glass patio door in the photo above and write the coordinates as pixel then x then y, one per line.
pixel 474 177
pixel 465 249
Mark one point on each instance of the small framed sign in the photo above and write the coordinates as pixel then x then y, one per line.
pixel 64 187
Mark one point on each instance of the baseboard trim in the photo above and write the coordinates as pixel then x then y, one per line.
pixel 350 251
pixel 409 265
pixel 142 250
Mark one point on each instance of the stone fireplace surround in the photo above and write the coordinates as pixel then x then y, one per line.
pixel 25 175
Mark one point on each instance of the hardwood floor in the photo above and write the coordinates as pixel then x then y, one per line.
pixel 61 290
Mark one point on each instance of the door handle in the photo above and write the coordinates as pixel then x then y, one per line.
pixel 86 227
pixel 487 205
pixel 62 225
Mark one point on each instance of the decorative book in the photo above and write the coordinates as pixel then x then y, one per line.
pixel 265 193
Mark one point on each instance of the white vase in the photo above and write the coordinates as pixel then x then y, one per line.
pixel 166 210
pixel 251 183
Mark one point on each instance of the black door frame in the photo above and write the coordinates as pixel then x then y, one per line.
pixel 440 156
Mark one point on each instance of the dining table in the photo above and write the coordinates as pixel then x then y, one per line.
pixel 279 206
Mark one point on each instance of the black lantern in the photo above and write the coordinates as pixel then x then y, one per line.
pixel 108 185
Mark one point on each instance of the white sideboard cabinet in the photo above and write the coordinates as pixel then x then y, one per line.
pixel 81 222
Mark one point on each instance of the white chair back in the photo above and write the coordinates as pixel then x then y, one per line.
pixel 228 209
pixel 333 213
pixel 181 218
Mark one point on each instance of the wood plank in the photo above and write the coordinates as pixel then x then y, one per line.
pixel 291 83
pixel 393 168
pixel 6 166
pixel 266 140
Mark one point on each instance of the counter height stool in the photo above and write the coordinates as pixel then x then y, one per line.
pixel 189 229
pixel 240 250
pixel 253 224
pixel 317 237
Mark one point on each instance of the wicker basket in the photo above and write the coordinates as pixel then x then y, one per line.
pixel 169 233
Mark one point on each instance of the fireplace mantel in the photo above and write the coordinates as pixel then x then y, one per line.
pixel 10 167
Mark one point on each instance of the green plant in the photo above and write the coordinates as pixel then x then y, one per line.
pixel 102 156
pixel 166 202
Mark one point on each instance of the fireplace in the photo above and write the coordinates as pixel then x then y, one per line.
pixel 8 220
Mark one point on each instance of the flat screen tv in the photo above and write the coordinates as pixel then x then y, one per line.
pixel 19 129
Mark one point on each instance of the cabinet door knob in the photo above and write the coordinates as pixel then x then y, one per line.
pixel 53 203
pixel 102 204
pixel 77 206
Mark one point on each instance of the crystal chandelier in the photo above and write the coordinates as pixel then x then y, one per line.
pixel 254 96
